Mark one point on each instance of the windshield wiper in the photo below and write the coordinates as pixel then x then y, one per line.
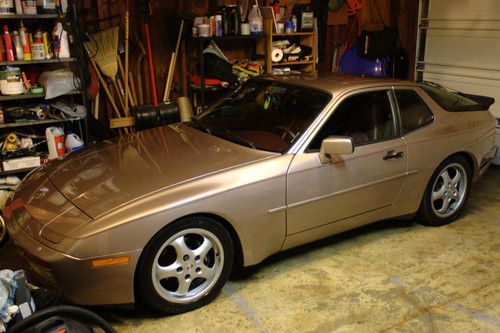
pixel 199 125
pixel 227 134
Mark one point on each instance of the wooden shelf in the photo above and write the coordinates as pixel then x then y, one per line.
pixel 291 63
pixel 37 62
pixel 307 38
pixel 37 122
pixel 293 34
pixel 27 16
pixel 228 37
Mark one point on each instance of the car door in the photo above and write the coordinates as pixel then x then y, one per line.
pixel 369 179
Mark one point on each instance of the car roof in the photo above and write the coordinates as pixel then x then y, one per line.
pixel 337 82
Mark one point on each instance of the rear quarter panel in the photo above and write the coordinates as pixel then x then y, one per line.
pixel 469 133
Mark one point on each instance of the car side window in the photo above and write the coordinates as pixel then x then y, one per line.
pixel 366 117
pixel 414 112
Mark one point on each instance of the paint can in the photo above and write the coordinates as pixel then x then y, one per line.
pixel 11 82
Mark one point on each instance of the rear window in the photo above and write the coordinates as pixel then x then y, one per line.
pixel 451 101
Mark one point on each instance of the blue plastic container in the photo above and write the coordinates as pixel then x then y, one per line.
pixel 352 63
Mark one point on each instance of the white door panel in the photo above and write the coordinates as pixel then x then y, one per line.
pixel 462 46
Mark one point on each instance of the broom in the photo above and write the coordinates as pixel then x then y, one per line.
pixel 103 49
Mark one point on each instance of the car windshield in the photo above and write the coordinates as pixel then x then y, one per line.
pixel 263 114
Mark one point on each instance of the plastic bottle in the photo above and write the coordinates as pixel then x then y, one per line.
pixel 16 39
pixel 294 20
pixel 61 44
pixel 9 52
pixel 255 20
pixel 55 142
pixel 19 6
pixel 73 143
pixel 277 10
pixel 25 42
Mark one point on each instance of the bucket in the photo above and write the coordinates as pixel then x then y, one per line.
pixel 55 142
pixel 10 81
pixel 73 143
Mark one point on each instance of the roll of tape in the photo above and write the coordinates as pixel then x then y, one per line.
pixel 11 138
pixel 277 55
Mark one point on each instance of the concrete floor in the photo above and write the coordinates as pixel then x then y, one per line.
pixel 389 277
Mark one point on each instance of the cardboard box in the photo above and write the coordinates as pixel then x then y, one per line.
pixel 21 163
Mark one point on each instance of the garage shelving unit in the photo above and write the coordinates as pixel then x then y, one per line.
pixel 21 99
pixel 308 38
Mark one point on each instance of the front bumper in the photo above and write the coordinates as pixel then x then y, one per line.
pixel 80 283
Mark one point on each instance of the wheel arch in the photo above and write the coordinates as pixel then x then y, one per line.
pixel 238 249
pixel 469 158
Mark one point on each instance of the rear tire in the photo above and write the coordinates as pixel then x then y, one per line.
pixel 447 192
pixel 185 265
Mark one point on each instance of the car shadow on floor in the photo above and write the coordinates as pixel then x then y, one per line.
pixel 379 227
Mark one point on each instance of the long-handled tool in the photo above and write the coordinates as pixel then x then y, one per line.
pixel 126 56
pixel 173 62
pixel 146 8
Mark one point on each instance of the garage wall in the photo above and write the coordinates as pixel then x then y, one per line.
pixel 460 45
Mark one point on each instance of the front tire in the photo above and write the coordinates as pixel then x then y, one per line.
pixel 447 192
pixel 185 265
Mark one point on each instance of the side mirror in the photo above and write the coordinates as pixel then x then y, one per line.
pixel 335 145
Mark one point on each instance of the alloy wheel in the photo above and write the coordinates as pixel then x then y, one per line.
pixel 188 265
pixel 449 190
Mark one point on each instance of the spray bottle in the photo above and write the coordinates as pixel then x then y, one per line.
pixel 9 52
pixel 25 42
pixel 16 39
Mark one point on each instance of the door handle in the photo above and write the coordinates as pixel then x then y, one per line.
pixel 393 154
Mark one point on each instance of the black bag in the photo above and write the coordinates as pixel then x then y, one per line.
pixel 218 68
pixel 375 44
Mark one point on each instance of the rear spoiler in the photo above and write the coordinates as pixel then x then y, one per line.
pixel 484 101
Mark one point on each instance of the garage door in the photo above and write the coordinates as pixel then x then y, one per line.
pixel 459 46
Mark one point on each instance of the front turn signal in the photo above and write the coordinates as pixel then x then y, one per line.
pixel 112 261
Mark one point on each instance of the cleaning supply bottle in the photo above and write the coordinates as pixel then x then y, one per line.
pixel 55 141
pixel 61 44
pixel 9 52
pixel 73 142
pixel 25 42
pixel 255 20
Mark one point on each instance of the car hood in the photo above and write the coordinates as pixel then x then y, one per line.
pixel 111 174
